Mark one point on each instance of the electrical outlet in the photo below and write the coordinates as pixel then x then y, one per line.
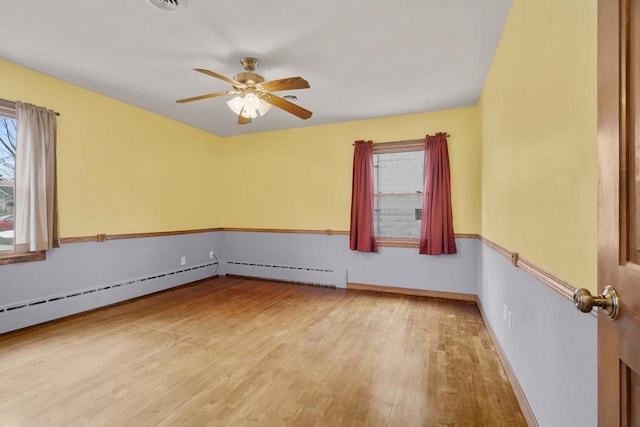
pixel 509 321
pixel 504 313
pixel 183 260
pixel 210 254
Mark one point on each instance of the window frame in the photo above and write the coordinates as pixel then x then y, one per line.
pixel 398 147
pixel 7 109
pixel 15 257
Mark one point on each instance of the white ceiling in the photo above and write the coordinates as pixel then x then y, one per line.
pixel 363 59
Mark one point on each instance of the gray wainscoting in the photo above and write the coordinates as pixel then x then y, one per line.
pixel 551 347
pixel 400 267
pixel 83 276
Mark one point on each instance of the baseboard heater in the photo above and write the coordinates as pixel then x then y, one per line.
pixel 297 274
pixel 27 313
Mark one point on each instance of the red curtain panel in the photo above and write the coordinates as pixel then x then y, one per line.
pixel 436 231
pixel 361 235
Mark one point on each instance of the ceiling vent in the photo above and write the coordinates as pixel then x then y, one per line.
pixel 169 5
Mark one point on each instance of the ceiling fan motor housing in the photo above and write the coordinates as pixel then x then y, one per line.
pixel 248 78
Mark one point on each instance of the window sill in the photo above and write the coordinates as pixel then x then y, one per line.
pixel 13 257
pixel 398 242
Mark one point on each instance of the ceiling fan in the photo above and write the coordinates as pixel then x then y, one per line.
pixel 254 95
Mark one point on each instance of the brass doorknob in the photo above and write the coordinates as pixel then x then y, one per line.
pixel 608 301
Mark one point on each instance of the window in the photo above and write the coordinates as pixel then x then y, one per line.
pixel 8 127
pixel 398 183
pixel 392 184
pixel 27 157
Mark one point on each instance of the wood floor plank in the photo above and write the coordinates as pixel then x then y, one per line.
pixel 240 352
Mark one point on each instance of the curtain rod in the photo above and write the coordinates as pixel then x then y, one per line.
pixel 412 140
pixel 8 103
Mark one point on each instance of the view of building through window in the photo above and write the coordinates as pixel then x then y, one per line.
pixel 7 181
pixel 398 193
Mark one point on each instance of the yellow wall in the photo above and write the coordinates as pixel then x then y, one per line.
pixel 539 140
pixel 122 169
pixel 301 178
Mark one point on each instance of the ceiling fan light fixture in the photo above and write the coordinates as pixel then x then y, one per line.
pixel 249 105
pixel 249 114
pixel 264 107
pixel 235 104
pixel 251 102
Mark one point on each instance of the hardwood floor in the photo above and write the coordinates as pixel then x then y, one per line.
pixel 240 352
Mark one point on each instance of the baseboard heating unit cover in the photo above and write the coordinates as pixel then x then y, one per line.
pixel 27 313
pixel 288 273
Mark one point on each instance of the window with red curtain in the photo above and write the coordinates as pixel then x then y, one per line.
pixel 398 183
pixel 361 235
pixel 436 234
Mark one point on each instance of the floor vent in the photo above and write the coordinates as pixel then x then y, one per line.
pixel 129 282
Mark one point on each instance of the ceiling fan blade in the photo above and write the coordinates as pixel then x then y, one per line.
pixel 288 83
pixel 242 120
pixel 287 106
pixel 198 98
pixel 221 77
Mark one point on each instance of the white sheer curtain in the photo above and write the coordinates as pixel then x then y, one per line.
pixel 36 221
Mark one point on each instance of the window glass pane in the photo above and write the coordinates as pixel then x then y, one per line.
pixel 398 193
pixel 398 172
pixel 396 216
pixel 7 181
